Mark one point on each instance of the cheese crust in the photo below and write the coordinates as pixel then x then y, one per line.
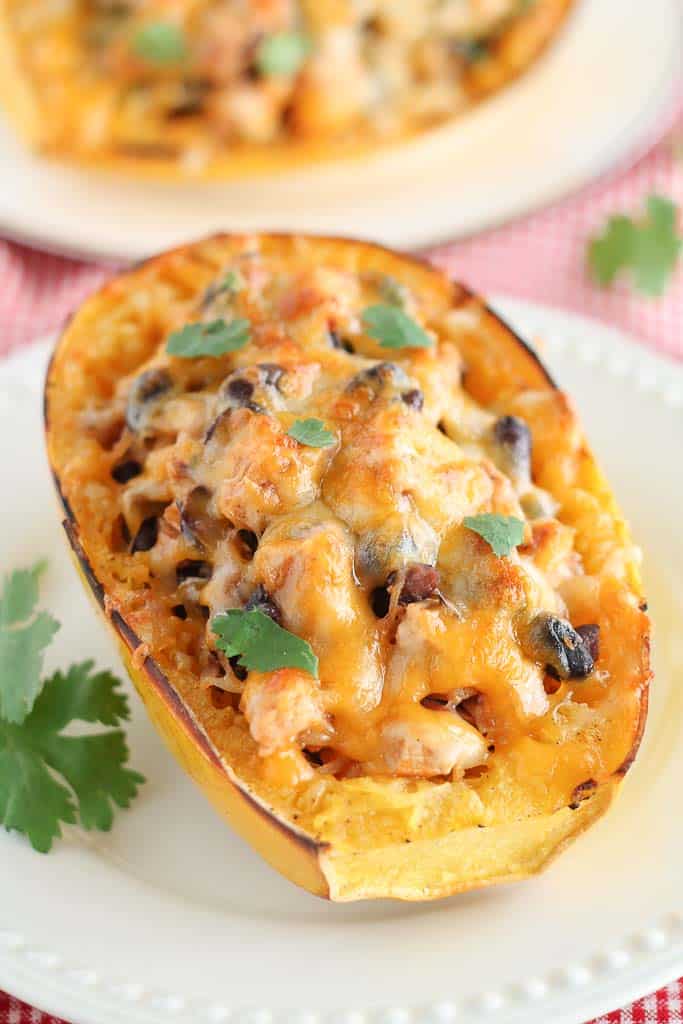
pixel 440 707
pixel 82 86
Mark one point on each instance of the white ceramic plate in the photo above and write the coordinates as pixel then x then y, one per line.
pixel 171 918
pixel 597 96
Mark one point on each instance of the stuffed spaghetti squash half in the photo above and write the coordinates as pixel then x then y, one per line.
pixel 223 87
pixel 365 573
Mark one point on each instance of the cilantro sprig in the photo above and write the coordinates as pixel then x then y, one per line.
pixel 260 643
pixel 501 533
pixel 211 339
pixel 649 248
pixel 160 42
pixel 392 328
pixel 311 432
pixel 49 778
pixel 282 53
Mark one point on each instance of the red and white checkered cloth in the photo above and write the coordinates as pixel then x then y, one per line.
pixel 663 1007
pixel 541 258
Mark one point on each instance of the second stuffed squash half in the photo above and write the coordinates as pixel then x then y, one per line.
pixel 361 563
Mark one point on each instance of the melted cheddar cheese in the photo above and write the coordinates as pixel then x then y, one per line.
pixel 442 696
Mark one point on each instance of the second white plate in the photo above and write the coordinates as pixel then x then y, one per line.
pixel 171 919
pixel 598 95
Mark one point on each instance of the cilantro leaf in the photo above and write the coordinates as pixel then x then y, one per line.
pixel 312 432
pixel 32 801
pixel 212 339
pixel 650 248
pixel 613 250
pixel 282 53
pixel 83 695
pixel 160 42
pixel 24 635
pixel 502 533
pixel 393 329
pixel 94 778
pixel 657 247
pixel 20 595
pixel 261 644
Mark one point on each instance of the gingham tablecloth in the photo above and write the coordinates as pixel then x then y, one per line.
pixel 540 258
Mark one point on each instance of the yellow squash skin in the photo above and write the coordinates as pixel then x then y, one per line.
pixel 323 858
pixel 48 103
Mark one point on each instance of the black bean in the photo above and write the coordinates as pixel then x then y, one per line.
pixel 125 471
pixel 180 611
pixel 435 702
pixel 146 537
pixel 240 389
pixel 239 670
pixel 555 642
pixel 337 341
pixel 590 634
pixel 414 399
pixel 192 568
pixel 381 378
pixel 261 601
pixel 248 542
pixel 146 389
pixel 236 393
pixel 380 599
pixel 378 553
pixel 514 439
pixel 193 512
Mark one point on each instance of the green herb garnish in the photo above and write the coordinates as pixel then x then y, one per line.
pixel 282 53
pixel 312 432
pixel 650 248
pixel 261 644
pixel 48 778
pixel 160 42
pixel 24 635
pixel 212 339
pixel 502 533
pixel 393 329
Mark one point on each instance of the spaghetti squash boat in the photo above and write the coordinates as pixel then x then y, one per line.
pixel 221 87
pixel 363 568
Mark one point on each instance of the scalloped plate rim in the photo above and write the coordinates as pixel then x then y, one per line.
pixel 655 948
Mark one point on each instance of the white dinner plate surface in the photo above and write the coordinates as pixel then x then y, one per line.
pixel 172 919
pixel 597 97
